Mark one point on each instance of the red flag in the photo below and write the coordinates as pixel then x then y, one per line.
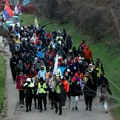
pixel 8 13
pixel 6 2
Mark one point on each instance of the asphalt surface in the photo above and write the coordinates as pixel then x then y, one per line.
pixel 15 112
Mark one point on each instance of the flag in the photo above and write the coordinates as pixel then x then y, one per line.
pixel 8 13
pixel 34 39
pixel 6 2
pixel 55 65
pixel 36 23
pixel 17 9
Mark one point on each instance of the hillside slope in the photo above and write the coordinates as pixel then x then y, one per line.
pixel 99 18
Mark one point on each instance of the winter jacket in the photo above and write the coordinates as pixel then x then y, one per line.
pixel 75 89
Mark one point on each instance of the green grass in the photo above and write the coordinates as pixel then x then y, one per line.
pixel 110 57
pixel 2 80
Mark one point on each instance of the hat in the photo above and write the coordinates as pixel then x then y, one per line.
pixel 62 77
pixel 68 70
pixel 28 80
pixel 73 79
pixel 59 42
pixel 36 58
pixel 90 64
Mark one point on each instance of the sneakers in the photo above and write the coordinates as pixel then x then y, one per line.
pixel 60 113
pixel 52 108
pixel 76 108
pixel 86 108
pixel 22 106
pixel 90 109
pixel 27 110
pixel 63 107
pixel 40 111
pixel 56 111
pixel 106 112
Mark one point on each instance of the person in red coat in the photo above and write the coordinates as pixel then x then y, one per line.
pixel 66 87
pixel 87 54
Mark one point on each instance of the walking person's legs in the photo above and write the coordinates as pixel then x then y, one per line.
pixel 56 106
pixel 90 103
pixel 73 102
pixel 27 104
pixel 106 106
pixel 86 102
pixel 44 102
pixel 60 107
pixel 76 102
pixel 40 102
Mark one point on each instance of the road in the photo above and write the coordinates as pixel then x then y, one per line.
pixel 15 112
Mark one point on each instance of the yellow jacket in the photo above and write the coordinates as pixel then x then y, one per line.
pixel 41 88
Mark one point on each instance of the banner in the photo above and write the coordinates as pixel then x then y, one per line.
pixel 36 23
pixel 55 65
pixel 20 81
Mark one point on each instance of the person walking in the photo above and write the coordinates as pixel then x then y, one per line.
pixel 29 87
pixel 42 94
pixel 52 84
pixel 104 92
pixel 89 91
pixel 42 73
pixel 66 88
pixel 87 54
pixel 75 92
pixel 58 97
pixel 20 80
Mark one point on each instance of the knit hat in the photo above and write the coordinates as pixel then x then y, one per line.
pixel 73 79
pixel 28 80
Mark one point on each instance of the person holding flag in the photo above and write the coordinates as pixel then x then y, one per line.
pixel 17 10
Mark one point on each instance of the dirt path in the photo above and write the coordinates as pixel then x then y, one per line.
pixel 15 112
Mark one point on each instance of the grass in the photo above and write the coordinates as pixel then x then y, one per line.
pixel 2 81
pixel 109 57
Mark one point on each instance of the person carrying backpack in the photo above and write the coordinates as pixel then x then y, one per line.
pixel 104 92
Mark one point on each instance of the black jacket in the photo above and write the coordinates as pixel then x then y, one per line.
pixel 75 89
pixel 89 88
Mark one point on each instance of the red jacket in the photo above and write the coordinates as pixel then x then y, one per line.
pixel 87 53
pixel 66 85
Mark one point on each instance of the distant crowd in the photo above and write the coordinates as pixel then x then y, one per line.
pixel 47 67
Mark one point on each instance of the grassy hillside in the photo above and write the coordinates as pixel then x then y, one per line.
pixel 2 80
pixel 110 57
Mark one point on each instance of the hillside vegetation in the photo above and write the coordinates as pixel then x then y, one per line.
pixel 2 81
pixel 98 18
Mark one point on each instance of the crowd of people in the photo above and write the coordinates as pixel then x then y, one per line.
pixel 47 67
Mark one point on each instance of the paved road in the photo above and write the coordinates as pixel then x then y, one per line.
pixel 15 112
